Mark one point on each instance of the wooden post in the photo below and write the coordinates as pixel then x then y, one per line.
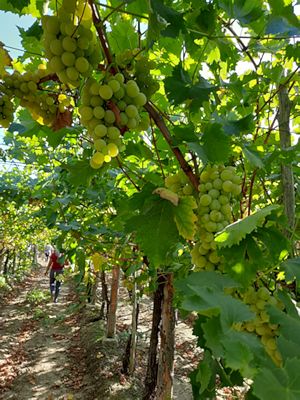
pixel 133 328
pixel 167 343
pixel 152 365
pixel 111 321
pixel 287 178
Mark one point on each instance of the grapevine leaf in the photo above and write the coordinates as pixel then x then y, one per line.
pixel 279 383
pixel 279 24
pixel 236 232
pixel 198 149
pixel 180 88
pixel 80 173
pixel 185 218
pixel 205 279
pixel 289 326
pixel 19 5
pixel 185 133
pixel 287 348
pixel 207 301
pixel 177 86
pixel 240 349
pixel 156 231
pixel 237 127
pixel 292 269
pixel 174 19
pixel 216 143
pixel 5 59
pixel 253 157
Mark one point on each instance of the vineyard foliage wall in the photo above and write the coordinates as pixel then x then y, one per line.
pixel 170 127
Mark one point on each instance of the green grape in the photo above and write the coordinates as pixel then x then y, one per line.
pixel 113 133
pixel 123 119
pixel 112 149
pixel 140 99
pixel 99 112
pixel 215 205
pixel 114 85
pixel 223 199
pixel 56 47
pixel 100 130
pixel 105 92
pixel 72 73
pixel 68 59
pixel 211 226
pixel 52 24
pixel 82 65
pixel 121 105
pixel 69 6
pixel 132 89
pixel 119 77
pixel 227 175
pixel 208 186
pixel 132 123
pixel 69 44
pixel 95 101
pixel 131 111
pixel 98 158
pixel 83 43
pixel 109 117
pixel 86 112
pixel 214 193
pixel 99 144
pixel 205 200
pixel 120 93
pixel 56 65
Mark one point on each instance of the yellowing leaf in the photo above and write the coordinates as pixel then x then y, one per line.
pixel 167 195
pixel 5 60
pixel 185 218
pixel 98 261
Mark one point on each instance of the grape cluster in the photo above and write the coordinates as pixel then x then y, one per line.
pixel 217 185
pixel 260 325
pixel 136 64
pixel 108 108
pixel 43 105
pixel 70 44
pixel 179 183
pixel 6 110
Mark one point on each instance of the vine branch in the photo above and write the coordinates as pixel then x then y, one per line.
pixel 157 118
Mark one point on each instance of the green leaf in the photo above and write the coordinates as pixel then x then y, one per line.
pixel 205 279
pixel 239 126
pixel 253 157
pixel 19 4
pixel 156 231
pixel 80 173
pixel 174 19
pixel 236 232
pixel 184 133
pixel 239 352
pixel 292 269
pixel 216 144
pixel 279 383
pixel 278 24
pixel 196 148
pixel 185 218
pixel 180 88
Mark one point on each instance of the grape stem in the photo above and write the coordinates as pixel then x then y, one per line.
pixel 99 27
pixel 157 118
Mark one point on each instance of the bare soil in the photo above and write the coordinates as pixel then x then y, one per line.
pixel 57 351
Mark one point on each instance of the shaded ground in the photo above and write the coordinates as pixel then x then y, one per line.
pixel 56 351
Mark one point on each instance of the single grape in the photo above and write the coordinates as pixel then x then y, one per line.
pixel 105 92
pixel 82 65
pixel 68 59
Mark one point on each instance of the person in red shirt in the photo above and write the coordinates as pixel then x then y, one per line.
pixel 56 265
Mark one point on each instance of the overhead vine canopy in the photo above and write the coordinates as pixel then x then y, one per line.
pixel 168 121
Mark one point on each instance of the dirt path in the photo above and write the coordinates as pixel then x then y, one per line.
pixel 34 342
